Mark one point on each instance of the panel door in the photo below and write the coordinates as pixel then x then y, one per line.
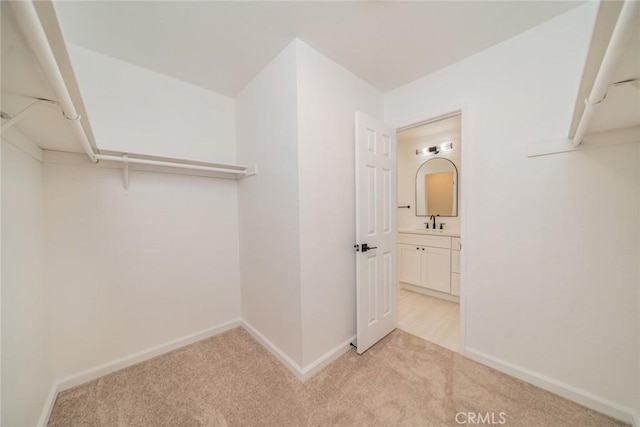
pixel 376 184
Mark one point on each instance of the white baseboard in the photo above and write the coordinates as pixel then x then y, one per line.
pixel 48 406
pixel 124 362
pixel 430 292
pixel 274 350
pixel 308 371
pixel 567 391
pixel 326 359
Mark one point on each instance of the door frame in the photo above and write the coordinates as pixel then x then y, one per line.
pixel 427 117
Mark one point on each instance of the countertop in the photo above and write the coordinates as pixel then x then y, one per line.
pixel 450 233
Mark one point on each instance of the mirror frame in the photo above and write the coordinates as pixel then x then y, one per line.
pixel 455 168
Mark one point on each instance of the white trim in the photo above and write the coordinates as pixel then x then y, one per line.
pixel 429 292
pixel 312 368
pixel 582 397
pixel 274 350
pixel 48 406
pixel 126 361
pixel 461 109
pixel 326 359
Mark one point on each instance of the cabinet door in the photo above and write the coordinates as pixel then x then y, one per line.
pixel 455 261
pixel 455 284
pixel 410 268
pixel 436 267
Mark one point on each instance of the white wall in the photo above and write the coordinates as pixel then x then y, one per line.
pixel 131 270
pixel 27 373
pixel 135 110
pixel 268 204
pixel 328 97
pixel 550 259
pixel 408 165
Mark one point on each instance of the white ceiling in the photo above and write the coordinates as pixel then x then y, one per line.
pixel 221 46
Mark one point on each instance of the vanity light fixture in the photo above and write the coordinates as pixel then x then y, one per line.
pixel 435 149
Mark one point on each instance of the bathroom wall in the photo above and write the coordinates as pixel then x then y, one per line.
pixel 27 369
pixel 550 254
pixel 408 164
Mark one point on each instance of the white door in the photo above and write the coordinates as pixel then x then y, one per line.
pixel 376 172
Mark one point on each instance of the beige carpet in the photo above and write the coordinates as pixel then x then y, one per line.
pixel 230 380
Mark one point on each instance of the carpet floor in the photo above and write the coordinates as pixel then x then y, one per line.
pixel 231 380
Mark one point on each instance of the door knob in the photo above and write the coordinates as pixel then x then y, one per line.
pixel 366 247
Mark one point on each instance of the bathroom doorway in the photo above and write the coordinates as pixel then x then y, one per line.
pixel 429 229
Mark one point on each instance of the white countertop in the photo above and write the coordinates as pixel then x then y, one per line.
pixel 450 233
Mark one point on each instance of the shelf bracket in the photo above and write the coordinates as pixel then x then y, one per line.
pixel 125 171
pixel 251 171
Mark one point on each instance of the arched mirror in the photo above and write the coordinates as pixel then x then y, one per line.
pixel 437 188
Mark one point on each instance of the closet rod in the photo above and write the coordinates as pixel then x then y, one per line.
pixel 31 27
pixel 620 38
pixel 233 169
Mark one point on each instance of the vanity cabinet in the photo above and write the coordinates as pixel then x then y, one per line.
pixel 455 266
pixel 426 261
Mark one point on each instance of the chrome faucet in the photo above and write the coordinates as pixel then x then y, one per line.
pixel 433 217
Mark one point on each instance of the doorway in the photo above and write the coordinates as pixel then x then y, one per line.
pixel 429 229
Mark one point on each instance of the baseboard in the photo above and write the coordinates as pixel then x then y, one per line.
pixel 430 292
pixel 48 405
pixel 282 357
pixel 308 371
pixel 124 362
pixel 326 359
pixel 567 391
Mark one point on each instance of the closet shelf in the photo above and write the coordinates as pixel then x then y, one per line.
pixel 239 171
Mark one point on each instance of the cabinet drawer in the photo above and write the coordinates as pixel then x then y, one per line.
pixel 433 241
pixel 455 243
pixel 455 261
pixel 455 284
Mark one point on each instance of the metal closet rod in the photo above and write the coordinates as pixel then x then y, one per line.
pixel 31 27
pixel 620 38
